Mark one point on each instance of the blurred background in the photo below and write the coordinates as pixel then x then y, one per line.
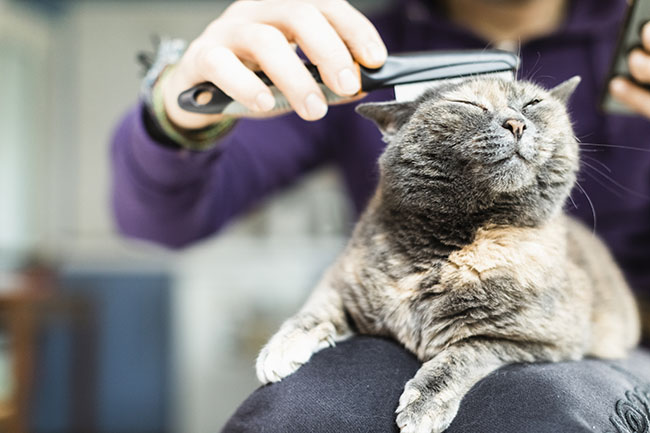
pixel 99 333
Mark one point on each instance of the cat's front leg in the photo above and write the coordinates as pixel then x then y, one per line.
pixel 319 324
pixel 431 399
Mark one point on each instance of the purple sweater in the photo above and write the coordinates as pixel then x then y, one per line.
pixel 176 197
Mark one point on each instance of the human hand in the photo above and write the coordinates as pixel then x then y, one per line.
pixel 258 35
pixel 629 93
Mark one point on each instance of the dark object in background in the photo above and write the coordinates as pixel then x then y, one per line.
pixel 629 38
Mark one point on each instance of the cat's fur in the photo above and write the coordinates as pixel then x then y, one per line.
pixel 464 255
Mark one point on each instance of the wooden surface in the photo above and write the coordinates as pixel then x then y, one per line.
pixel 23 310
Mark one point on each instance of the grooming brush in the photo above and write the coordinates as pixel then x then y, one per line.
pixel 408 74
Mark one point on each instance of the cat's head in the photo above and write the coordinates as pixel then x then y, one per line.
pixel 481 145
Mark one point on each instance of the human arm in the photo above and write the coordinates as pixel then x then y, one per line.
pixel 175 196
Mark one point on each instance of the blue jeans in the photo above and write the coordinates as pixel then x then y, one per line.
pixel 355 387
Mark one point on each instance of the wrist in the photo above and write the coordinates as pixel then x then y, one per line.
pixel 155 89
pixel 198 136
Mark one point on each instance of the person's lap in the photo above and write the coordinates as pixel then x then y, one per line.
pixel 355 387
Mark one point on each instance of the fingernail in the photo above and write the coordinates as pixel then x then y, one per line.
pixel 376 53
pixel 617 86
pixel 348 82
pixel 264 101
pixel 315 106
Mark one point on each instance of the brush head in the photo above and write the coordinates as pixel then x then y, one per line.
pixel 411 91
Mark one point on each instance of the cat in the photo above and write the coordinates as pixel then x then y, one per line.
pixel 464 254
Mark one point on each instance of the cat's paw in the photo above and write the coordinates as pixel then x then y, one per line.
pixel 420 411
pixel 290 348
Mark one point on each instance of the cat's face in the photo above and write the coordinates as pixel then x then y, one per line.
pixel 495 137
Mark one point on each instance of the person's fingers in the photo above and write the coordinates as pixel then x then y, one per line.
pixel 358 33
pixel 222 67
pixel 645 36
pixel 639 63
pixel 331 33
pixel 305 24
pixel 269 48
pixel 635 97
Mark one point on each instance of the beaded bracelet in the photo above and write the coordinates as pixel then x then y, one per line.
pixel 168 54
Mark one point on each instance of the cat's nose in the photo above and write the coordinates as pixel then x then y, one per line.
pixel 515 126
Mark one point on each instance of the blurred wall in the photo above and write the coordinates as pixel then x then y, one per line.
pixel 24 125
pixel 230 292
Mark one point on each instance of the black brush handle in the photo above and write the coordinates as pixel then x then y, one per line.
pixel 218 101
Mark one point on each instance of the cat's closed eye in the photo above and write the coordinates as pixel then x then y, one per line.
pixel 475 104
pixel 531 103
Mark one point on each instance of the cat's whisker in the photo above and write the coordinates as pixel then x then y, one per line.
pixel 591 158
pixel 534 71
pixel 573 201
pixel 550 77
pixel 591 204
pixel 603 184
pixel 615 182
pixel 521 61
pixel 615 146
pixel 591 150
pixel 586 136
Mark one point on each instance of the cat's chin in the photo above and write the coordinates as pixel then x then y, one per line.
pixel 511 175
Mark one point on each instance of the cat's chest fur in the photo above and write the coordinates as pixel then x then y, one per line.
pixel 505 279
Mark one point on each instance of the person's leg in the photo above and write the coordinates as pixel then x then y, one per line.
pixel 568 397
pixel 352 387
pixel 355 387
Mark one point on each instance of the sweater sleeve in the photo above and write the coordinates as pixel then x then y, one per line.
pixel 175 197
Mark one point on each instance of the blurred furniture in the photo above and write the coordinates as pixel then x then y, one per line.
pixel 26 306
pixel 131 381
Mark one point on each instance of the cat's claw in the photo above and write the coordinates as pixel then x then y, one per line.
pixel 408 396
pixel 289 349
pixel 422 413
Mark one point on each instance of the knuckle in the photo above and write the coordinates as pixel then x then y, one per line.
pixel 333 5
pixel 334 59
pixel 267 37
pixel 193 51
pixel 240 8
pixel 216 56
pixel 302 11
pixel 204 58
pixel 362 31
pixel 201 57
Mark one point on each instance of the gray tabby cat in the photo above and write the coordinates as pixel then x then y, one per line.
pixel 464 255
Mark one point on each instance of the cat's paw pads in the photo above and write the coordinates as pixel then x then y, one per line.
pixel 422 413
pixel 289 349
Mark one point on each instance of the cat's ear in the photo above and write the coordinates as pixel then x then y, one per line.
pixel 564 90
pixel 389 116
